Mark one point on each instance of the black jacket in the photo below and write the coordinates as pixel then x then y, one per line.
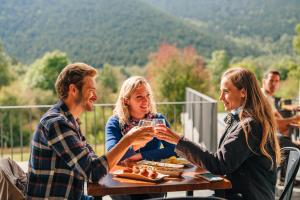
pixel 248 170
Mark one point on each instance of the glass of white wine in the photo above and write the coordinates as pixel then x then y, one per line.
pixel 145 122
pixel 158 121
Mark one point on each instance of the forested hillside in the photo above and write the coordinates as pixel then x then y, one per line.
pixel 264 18
pixel 101 31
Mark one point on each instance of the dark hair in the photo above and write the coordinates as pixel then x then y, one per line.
pixel 272 71
pixel 72 74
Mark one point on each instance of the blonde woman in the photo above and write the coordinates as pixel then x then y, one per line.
pixel 248 152
pixel 135 102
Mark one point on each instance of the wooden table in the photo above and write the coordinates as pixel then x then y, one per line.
pixel 111 185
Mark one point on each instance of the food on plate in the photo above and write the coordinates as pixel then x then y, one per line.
pixel 136 169
pixel 127 170
pixel 159 164
pixel 144 175
pixel 175 160
pixel 171 160
pixel 148 172
pixel 172 172
pixel 153 174
pixel 144 172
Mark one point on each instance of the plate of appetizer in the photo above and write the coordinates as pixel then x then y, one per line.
pixel 140 173
pixel 178 161
pixel 160 164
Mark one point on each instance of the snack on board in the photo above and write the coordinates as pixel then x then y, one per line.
pixel 172 172
pixel 136 169
pixel 160 164
pixel 153 174
pixel 127 170
pixel 144 172
pixel 175 160
pixel 147 172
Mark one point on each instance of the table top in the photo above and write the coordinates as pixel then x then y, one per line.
pixel 115 185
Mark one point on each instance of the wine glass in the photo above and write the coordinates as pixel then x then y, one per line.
pixel 145 122
pixel 158 121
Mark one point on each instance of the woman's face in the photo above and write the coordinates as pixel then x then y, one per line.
pixel 231 96
pixel 139 102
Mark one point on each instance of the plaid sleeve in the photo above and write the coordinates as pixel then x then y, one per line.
pixel 67 145
pixel 90 148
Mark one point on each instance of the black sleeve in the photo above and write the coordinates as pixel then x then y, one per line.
pixel 230 156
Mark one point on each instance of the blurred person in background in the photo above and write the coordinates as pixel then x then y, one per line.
pixel 270 85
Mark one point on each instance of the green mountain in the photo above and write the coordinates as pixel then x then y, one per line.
pixel 101 31
pixel 264 18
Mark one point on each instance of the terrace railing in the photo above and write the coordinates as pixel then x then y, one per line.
pixel 195 118
pixel 201 119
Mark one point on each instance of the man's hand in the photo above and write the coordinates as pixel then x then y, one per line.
pixel 140 136
pixel 137 136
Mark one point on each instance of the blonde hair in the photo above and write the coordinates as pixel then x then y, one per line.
pixel 128 87
pixel 257 107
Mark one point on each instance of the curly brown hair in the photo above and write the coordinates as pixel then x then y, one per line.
pixel 72 74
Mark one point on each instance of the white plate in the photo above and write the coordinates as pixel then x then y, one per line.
pixel 178 161
pixel 160 164
pixel 121 173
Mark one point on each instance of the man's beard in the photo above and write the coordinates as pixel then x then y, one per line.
pixel 79 101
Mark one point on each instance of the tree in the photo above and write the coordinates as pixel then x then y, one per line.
pixel 108 78
pixel 5 75
pixel 217 65
pixel 171 70
pixel 251 65
pixel 296 40
pixel 44 71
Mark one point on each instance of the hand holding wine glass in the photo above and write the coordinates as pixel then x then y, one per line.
pixel 158 121
pixel 164 133
pixel 140 136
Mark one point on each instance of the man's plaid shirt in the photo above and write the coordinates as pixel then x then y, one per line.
pixel 60 159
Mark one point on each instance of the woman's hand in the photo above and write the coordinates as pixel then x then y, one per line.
pixel 140 136
pixel 164 133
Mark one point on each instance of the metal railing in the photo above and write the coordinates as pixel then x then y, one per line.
pixel 201 119
pixel 17 123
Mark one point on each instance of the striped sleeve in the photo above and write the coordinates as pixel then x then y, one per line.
pixel 65 142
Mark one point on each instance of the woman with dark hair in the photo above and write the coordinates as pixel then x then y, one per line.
pixel 248 152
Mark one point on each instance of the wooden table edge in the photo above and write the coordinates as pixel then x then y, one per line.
pixel 93 189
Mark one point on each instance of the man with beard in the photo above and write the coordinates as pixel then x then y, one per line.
pixel 60 158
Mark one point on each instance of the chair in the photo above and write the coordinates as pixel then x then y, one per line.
pixel 189 198
pixel 292 155
pixel 12 180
